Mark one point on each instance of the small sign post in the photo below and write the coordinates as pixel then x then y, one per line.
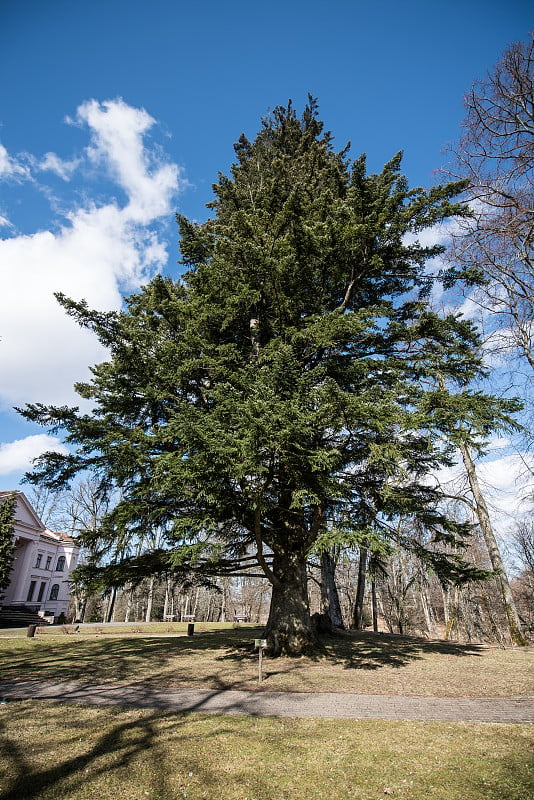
pixel 260 644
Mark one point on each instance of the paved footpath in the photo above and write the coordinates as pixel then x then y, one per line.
pixel 278 704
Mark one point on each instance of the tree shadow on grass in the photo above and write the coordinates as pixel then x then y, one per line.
pixel 132 743
pixel 370 651
pixel 355 650
pixel 222 660
pixel 121 659
pixel 115 753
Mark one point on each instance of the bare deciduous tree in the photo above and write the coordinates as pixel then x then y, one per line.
pixel 496 154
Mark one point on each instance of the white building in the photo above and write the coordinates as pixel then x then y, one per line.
pixel 43 561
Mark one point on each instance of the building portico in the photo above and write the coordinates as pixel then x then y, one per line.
pixel 42 563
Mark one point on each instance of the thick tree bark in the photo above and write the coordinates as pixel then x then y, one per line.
pixel 329 593
pixel 289 629
pixel 514 624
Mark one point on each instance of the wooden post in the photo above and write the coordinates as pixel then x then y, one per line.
pixel 260 644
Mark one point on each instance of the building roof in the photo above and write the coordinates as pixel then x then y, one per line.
pixel 42 530
pixel 58 536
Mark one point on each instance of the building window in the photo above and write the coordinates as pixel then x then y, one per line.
pixel 41 591
pixel 38 560
pixel 54 591
pixel 48 562
pixel 60 564
pixel 31 591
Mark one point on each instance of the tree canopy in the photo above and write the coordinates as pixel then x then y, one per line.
pixel 288 388
pixel 8 505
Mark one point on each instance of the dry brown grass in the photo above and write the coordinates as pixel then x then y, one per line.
pixel 361 663
pixel 75 753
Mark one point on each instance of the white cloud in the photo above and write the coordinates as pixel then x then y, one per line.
pixel 439 233
pixel 53 163
pixel 507 482
pixel 18 456
pixel 11 167
pixel 96 252
pixel 117 139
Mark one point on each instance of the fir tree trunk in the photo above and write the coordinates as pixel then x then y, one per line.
pixel 329 593
pixel 289 630
pixel 514 624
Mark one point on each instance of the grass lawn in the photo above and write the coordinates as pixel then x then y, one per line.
pixel 48 751
pixel 224 657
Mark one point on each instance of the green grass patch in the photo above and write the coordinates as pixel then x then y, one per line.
pixel 76 753
pixel 224 658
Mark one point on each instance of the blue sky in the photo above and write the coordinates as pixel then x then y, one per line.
pixel 114 114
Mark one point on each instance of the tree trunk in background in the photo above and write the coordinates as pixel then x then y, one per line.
pixel 167 603
pixel 194 606
pixel 149 599
pixel 129 604
pixel 385 615
pixel 360 592
pixel 428 613
pixel 111 606
pixel 451 615
pixel 374 605
pixel 224 599
pixel 329 593
pixel 80 607
pixel 514 623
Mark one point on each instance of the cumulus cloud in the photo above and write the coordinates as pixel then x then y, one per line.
pixel 117 140
pixel 18 456
pixel 96 251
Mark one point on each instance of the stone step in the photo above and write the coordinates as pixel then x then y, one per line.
pixel 15 618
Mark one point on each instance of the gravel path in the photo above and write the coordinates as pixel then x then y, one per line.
pixel 278 704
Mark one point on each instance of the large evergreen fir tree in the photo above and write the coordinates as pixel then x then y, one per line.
pixel 282 391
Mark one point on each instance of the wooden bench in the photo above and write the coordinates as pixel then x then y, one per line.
pixel 188 617
pixel 241 617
